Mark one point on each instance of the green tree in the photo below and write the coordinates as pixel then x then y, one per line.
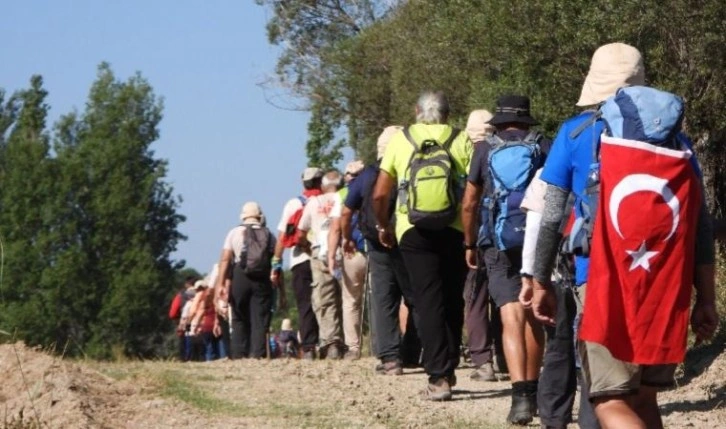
pixel 90 227
pixel 128 220
pixel 475 51
pixel 30 298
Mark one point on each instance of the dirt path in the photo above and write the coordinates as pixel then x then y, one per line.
pixel 278 393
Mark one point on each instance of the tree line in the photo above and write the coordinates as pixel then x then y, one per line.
pixel 358 65
pixel 88 222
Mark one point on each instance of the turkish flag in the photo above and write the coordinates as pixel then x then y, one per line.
pixel 642 255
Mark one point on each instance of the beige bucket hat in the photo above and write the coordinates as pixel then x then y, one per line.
pixel 477 127
pixel 613 66
pixel 354 167
pixel 385 137
pixel 250 211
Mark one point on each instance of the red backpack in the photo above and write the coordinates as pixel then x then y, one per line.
pixel 176 306
pixel 289 237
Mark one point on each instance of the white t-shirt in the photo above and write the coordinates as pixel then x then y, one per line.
pixel 316 219
pixel 235 241
pixel 297 255
pixel 337 209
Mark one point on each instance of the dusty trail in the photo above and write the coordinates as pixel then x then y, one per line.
pixel 277 393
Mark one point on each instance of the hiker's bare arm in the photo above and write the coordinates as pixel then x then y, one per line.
pixel 225 259
pixel 278 246
pixel 705 246
pixel 381 191
pixel 549 236
pixel 704 318
pixel 333 242
pixel 346 222
pixel 469 210
pixel 705 283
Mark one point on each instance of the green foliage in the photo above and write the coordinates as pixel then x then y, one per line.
pixel 89 229
pixel 372 70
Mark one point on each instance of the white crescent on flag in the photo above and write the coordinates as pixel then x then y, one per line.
pixel 643 182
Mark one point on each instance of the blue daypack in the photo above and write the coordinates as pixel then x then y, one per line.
pixel 634 113
pixel 512 165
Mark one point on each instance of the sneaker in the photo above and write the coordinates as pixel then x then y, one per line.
pixel 440 390
pixel 389 368
pixel 521 411
pixel 352 355
pixel 484 373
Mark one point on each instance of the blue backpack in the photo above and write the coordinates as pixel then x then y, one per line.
pixel 512 165
pixel 634 113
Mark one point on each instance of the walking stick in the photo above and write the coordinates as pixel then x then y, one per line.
pixel 366 308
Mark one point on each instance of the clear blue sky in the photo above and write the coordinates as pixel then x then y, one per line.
pixel 225 144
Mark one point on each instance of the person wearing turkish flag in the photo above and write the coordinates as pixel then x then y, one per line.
pixel 652 241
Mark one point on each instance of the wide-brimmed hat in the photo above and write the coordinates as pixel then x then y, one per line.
pixel 200 284
pixel 286 325
pixel 250 211
pixel 512 109
pixel 311 173
pixel 384 138
pixel 613 66
pixel 477 126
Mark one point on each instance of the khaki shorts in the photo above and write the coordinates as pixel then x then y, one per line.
pixel 608 376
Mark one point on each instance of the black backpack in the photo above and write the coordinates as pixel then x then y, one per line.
pixel 256 257
pixel 366 216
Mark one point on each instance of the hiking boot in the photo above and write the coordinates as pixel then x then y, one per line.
pixel 309 355
pixel 352 355
pixel 389 368
pixel 521 411
pixel 440 390
pixel 484 373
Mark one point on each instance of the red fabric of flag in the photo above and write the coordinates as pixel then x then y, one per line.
pixel 642 259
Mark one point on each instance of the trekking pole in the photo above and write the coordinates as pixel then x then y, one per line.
pixel 366 309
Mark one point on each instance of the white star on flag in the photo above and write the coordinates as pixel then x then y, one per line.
pixel 641 257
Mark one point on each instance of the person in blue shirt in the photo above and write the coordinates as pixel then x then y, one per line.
pixel 623 394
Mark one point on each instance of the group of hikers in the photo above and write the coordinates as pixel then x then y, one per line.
pixel 504 229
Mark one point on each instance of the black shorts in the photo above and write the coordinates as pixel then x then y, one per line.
pixel 503 270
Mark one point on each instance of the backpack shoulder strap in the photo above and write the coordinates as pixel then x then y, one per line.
pixel 596 115
pixel 409 137
pixel 454 134
pixel 495 141
pixel 303 199
pixel 534 137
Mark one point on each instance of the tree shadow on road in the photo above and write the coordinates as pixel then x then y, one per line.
pixel 717 400
pixel 698 360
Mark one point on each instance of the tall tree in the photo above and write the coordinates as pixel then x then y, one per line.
pixel 29 298
pixel 313 34
pixel 88 229
pixel 475 51
pixel 128 220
